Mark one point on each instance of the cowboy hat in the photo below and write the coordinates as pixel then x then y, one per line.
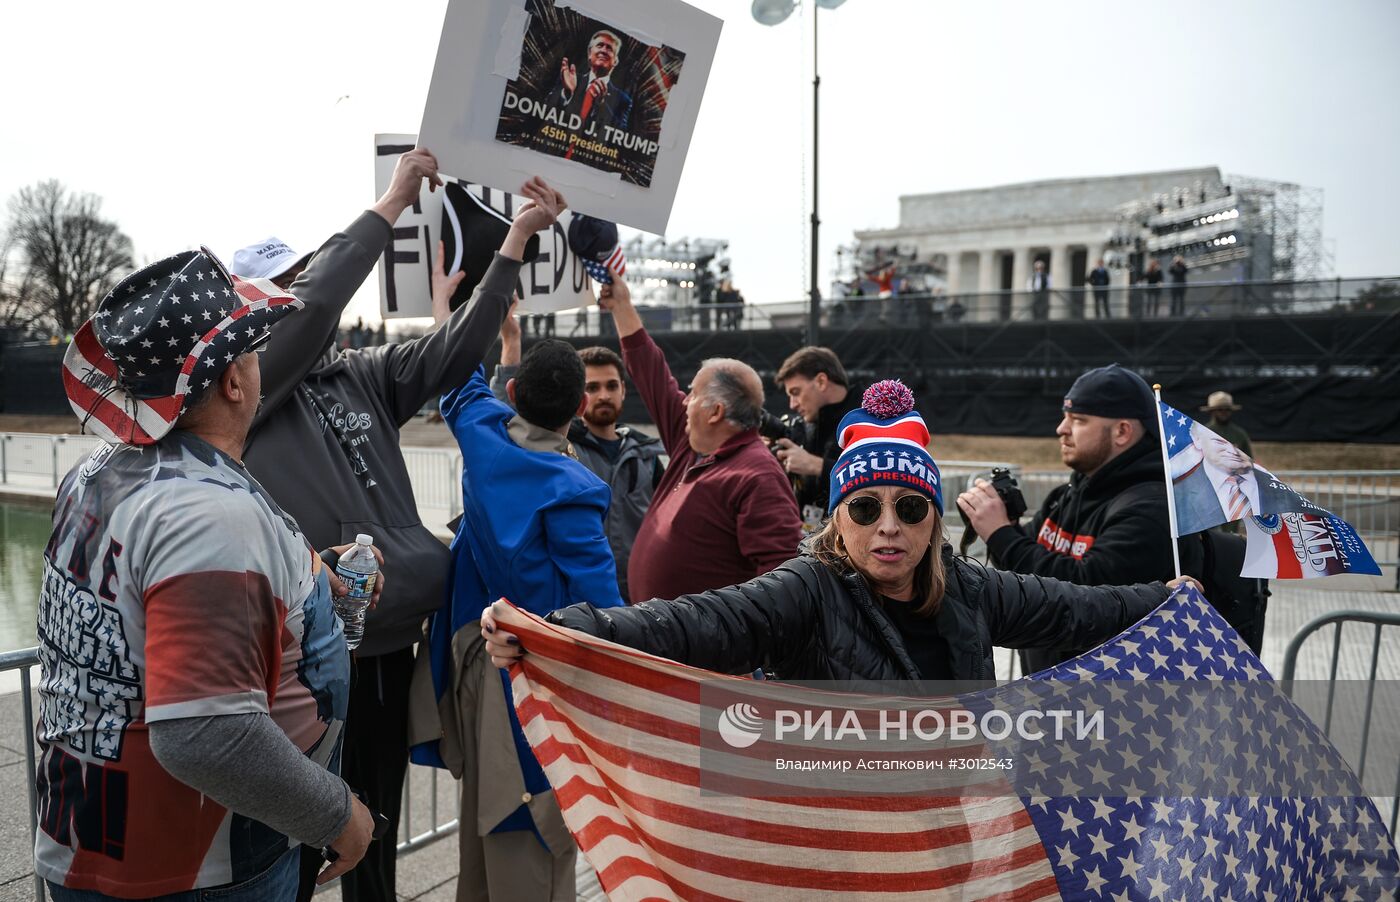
pixel 1220 400
pixel 162 336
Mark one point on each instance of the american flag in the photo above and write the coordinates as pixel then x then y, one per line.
pixel 620 736
pixel 603 272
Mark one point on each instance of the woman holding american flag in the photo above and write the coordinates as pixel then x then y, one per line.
pixel 878 595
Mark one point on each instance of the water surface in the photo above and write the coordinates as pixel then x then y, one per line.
pixel 24 530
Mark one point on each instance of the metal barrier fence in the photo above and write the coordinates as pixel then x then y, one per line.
pixel 39 461
pixel 22 660
pixel 1355 666
pixel 1367 499
pixel 31 460
pixel 409 841
pixel 1194 300
pixel 436 476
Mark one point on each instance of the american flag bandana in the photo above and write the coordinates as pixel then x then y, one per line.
pixel 622 737
pixel 161 337
pixel 603 272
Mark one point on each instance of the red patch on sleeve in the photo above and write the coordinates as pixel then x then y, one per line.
pixel 212 634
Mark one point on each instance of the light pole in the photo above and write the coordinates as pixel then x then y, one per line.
pixel 771 12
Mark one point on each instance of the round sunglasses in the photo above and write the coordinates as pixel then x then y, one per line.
pixel 865 509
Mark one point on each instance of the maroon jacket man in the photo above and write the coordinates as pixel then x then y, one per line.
pixel 724 511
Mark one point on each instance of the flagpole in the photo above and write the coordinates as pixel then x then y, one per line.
pixel 1167 474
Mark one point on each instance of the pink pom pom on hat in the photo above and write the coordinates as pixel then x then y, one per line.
pixel 883 442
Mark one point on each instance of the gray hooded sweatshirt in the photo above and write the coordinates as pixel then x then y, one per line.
pixel 326 442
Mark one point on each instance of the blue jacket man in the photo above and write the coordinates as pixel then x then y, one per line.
pixel 531 532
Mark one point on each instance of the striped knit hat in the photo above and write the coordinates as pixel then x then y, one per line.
pixel 883 443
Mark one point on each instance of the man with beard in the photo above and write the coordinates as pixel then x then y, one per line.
pixel 1108 525
pixel 628 460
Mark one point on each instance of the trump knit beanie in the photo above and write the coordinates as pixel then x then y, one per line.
pixel 882 443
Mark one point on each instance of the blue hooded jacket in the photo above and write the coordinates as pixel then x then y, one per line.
pixel 531 532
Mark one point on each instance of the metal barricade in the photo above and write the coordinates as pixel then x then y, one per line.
pixel 69 451
pixel 39 461
pixel 1367 499
pixel 436 476
pixel 22 660
pixel 1379 622
pixel 29 461
pixel 955 473
pixel 410 841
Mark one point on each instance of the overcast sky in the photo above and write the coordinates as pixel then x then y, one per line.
pixel 221 122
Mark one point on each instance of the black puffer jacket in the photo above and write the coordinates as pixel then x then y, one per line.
pixel 1107 529
pixel 805 621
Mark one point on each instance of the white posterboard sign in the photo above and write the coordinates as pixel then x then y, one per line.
pixel 554 280
pixel 405 270
pixel 598 97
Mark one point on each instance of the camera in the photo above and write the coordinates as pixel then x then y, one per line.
pixel 791 427
pixel 1006 487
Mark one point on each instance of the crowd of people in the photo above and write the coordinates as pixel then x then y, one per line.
pixel 898 301
pixel 203 727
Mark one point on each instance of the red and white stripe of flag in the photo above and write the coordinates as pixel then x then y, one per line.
pixel 616 261
pixel 89 378
pixel 618 734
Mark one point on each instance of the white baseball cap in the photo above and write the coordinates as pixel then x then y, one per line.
pixel 267 259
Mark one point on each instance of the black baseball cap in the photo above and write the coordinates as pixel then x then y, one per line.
pixel 1115 392
pixel 592 238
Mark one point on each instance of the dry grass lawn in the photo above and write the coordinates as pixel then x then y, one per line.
pixel 1044 453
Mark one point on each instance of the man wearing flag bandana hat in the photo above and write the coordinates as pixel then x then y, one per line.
pixel 193 692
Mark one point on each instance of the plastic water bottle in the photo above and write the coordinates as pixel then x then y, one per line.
pixel 358 569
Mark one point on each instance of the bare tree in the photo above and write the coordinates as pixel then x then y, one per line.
pixel 15 314
pixel 58 259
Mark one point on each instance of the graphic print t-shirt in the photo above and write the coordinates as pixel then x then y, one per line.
pixel 174 587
